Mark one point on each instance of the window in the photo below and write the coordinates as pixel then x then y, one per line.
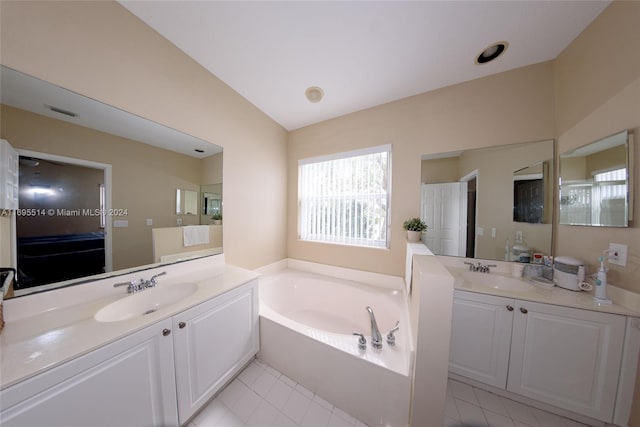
pixel 344 198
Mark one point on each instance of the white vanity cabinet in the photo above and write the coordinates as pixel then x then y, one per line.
pixel 213 341
pixel 127 383
pixel 566 357
pixel 159 376
pixel 481 337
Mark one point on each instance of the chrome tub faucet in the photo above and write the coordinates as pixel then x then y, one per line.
pixel 376 338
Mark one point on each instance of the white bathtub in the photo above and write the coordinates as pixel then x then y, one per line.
pixel 307 322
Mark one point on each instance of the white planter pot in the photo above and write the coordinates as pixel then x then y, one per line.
pixel 414 236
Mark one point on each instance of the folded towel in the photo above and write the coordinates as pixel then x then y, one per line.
pixel 195 235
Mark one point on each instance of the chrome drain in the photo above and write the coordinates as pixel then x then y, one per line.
pixel 149 311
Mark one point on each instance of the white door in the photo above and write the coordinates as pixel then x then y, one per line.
pixel 481 337
pixel 567 357
pixel 444 209
pixel 212 342
pixel 128 383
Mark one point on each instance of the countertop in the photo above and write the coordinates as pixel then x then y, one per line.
pixel 538 293
pixel 46 330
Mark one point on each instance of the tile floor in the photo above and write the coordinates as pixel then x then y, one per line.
pixel 472 407
pixel 263 397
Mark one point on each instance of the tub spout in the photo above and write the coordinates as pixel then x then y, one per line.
pixel 376 338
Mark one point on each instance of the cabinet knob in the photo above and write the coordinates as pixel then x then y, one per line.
pixel 166 332
pixel 509 308
pixel 523 310
pixel 181 325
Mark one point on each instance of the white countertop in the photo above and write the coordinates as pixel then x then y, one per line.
pixel 539 293
pixel 46 330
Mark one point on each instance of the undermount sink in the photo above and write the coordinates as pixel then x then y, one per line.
pixel 145 302
pixel 496 282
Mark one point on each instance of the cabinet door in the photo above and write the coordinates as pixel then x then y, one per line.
pixel 127 383
pixel 213 341
pixel 567 357
pixel 480 337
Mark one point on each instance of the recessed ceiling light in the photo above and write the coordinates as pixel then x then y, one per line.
pixel 491 52
pixel 314 94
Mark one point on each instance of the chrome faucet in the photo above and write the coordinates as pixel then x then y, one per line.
pixel 133 286
pixel 376 338
pixel 479 267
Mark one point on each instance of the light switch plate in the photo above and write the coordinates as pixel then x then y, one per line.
pixel 618 254
pixel 149 221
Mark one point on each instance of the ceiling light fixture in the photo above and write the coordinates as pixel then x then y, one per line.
pixel 314 94
pixel 491 52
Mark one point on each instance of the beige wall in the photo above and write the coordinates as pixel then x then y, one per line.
pixel 212 169
pixel 439 171
pixel 480 113
pixel 100 50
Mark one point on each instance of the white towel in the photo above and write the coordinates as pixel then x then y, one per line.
pixel 413 249
pixel 195 235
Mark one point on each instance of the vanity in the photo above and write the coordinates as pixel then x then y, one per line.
pixel 154 357
pixel 550 345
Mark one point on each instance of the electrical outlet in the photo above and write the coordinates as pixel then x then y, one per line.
pixel 518 236
pixel 618 254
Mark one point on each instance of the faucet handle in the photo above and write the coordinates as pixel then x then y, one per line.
pixel 470 264
pixel 391 339
pixel 362 341
pixel 132 287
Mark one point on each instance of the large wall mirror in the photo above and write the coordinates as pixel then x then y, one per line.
pixel 477 203
pixel 595 183
pixel 98 187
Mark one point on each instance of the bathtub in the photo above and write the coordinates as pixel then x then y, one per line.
pixel 307 322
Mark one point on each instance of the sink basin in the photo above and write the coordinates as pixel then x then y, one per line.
pixel 145 302
pixel 497 282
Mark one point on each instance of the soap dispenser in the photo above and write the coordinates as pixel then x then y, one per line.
pixel 601 284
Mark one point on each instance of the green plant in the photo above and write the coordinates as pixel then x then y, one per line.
pixel 217 217
pixel 414 224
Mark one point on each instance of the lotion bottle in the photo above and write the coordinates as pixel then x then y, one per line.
pixel 601 284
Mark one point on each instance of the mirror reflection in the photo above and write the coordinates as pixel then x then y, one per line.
pixel 98 188
pixel 186 202
pixel 482 203
pixel 594 183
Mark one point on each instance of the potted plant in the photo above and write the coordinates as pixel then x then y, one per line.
pixel 217 219
pixel 414 227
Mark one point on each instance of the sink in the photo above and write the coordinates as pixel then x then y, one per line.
pixel 497 282
pixel 145 302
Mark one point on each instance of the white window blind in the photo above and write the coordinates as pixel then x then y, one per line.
pixel 344 198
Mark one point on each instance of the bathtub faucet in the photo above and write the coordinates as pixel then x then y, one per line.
pixel 376 338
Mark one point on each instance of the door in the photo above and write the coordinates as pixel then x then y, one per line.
pixel 481 337
pixel 127 383
pixel 567 357
pixel 212 342
pixel 444 209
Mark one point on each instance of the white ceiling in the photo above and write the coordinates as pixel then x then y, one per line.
pixel 360 53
